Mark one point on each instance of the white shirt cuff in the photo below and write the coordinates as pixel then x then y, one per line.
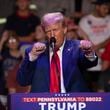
pixel 91 57
pixel 32 57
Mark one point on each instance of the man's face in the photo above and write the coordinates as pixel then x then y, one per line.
pixel 23 4
pixel 56 30
pixel 39 34
pixel 102 10
pixel 12 43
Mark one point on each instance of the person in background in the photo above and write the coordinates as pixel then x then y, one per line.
pixel 10 53
pixel 40 35
pixel 104 78
pixel 96 26
pixel 56 66
pixel 72 30
pixel 12 84
pixel 23 22
pixel 11 57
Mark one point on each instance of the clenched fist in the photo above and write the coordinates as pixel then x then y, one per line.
pixel 37 49
pixel 86 46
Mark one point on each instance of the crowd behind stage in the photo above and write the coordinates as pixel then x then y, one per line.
pixel 23 28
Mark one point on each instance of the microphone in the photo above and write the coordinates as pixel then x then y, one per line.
pixel 52 42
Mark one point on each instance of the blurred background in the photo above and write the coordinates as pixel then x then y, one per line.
pixel 42 6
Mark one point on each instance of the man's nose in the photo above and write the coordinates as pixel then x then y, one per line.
pixel 52 33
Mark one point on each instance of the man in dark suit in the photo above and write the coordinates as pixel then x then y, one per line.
pixel 38 70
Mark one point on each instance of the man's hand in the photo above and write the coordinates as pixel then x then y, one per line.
pixel 37 49
pixel 87 47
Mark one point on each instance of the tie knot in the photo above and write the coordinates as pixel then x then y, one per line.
pixel 55 52
pixel 56 49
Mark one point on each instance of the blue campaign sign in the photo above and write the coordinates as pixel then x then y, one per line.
pixel 68 101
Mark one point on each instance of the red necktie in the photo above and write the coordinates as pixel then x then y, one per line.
pixel 55 73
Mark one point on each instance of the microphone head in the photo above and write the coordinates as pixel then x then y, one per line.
pixel 52 42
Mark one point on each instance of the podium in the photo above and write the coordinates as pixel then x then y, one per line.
pixel 59 101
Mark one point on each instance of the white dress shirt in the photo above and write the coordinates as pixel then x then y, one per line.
pixel 59 52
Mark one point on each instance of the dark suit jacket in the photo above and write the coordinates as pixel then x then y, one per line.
pixel 36 73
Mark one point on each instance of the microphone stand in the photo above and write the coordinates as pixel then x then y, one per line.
pixel 52 45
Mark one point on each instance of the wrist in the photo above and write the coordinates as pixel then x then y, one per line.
pixel 92 56
pixel 32 57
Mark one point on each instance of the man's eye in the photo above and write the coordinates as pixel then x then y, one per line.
pixel 55 29
pixel 47 32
